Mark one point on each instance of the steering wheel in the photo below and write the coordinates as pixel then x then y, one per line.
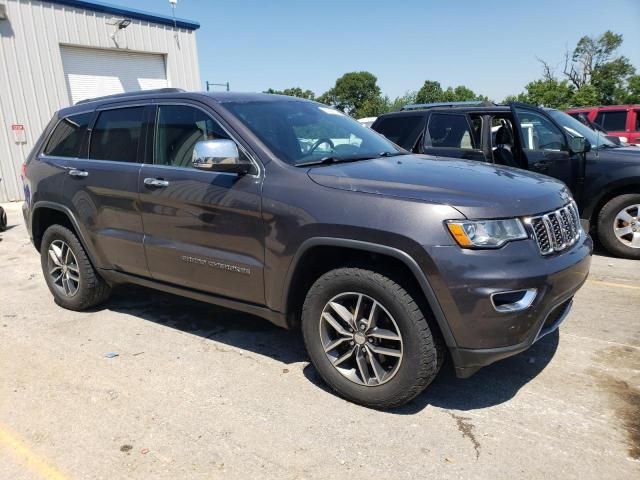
pixel 320 142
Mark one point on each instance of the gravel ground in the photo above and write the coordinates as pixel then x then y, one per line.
pixel 200 392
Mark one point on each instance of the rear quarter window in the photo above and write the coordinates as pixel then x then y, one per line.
pixel 68 136
pixel 401 130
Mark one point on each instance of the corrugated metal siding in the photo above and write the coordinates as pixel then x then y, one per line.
pixel 32 81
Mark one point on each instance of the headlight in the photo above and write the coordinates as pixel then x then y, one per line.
pixel 486 233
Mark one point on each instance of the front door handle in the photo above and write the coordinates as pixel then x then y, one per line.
pixel 541 165
pixel 156 182
pixel 74 172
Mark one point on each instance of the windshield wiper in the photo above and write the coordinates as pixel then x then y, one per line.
pixel 333 159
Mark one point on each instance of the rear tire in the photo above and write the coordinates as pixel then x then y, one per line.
pixel 72 280
pixel 619 215
pixel 3 220
pixel 396 349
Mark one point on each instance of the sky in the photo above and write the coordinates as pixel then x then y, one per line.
pixel 488 45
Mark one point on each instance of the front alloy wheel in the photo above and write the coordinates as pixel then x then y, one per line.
pixel 361 339
pixel 369 338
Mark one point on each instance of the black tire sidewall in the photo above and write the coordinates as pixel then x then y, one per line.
pixel 79 301
pixel 606 234
pixel 414 349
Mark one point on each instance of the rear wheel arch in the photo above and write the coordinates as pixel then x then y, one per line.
pixel 45 214
pixel 317 256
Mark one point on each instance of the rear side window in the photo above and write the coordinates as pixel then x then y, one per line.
pixel 401 130
pixel 637 121
pixel 66 139
pixel 612 121
pixel 450 131
pixel 116 134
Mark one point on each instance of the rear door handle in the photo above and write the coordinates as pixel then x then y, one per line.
pixel 156 182
pixel 74 172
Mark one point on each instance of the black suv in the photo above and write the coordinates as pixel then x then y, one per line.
pixel 290 210
pixel 603 176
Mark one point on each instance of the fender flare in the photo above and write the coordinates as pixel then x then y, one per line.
pixel 76 226
pixel 396 253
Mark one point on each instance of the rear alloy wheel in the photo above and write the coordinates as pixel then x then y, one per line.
pixel 63 268
pixel 70 276
pixel 368 338
pixel 619 226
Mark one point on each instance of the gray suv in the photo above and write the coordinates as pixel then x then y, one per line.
pixel 292 211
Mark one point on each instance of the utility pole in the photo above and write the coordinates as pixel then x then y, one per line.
pixel 211 84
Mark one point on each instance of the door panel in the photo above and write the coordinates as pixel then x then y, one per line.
pixel 102 191
pixel 203 230
pixel 544 145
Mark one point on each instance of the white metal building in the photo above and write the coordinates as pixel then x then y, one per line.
pixel 56 52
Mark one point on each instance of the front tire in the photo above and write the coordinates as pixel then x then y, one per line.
pixel 368 339
pixel 619 226
pixel 72 280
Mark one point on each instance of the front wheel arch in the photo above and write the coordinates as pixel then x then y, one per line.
pixel 354 249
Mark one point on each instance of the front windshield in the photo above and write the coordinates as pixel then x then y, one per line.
pixel 575 128
pixel 305 132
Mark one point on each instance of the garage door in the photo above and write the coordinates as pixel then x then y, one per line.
pixel 91 72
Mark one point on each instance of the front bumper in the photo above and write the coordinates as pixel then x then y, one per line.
pixel 466 280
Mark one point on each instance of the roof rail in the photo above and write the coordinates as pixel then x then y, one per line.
pixel 131 94
pixel 470 103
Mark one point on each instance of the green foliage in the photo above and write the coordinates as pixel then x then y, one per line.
pixel 294 92
pixel 549 93
pixel 593 75
pixel 431 92
pixel 633 90
pixel 355 93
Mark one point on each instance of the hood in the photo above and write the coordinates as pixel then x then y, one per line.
pixel 478 190
pixel 629 154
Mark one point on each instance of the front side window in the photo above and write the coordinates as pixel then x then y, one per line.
pixel 299 131
pixel 178 129
pixel 612 121
pixel 116 134
pixel 538 132
pixel 66 139
pixel 450 131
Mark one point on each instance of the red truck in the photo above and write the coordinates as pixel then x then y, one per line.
pixel 618 120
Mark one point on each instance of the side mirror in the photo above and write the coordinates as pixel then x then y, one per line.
pixel 219 156
pixel 579 145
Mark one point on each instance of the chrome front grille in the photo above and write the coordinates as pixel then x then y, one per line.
pixel 556 231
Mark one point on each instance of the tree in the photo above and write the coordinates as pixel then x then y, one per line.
pixel 355 93
pixel 431 92
pixel 633 90
pixel 294 92
pixel 593 75
pixel 550 93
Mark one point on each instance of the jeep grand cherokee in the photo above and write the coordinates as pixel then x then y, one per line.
pixel 290 210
